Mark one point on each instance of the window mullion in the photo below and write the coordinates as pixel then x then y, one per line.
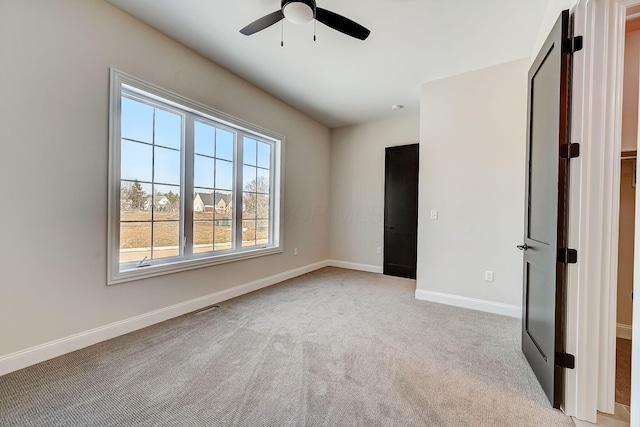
pixel 237 202
pixel 153 183
pixel 188 189
pixel 272 192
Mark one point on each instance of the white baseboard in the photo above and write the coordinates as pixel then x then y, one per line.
pixel 31 356
pixel 355 266
pixel 623 331
pixel 472 303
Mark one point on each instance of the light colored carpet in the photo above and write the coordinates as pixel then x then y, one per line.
pixel 330 348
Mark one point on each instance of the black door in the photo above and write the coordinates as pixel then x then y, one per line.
pixel 401 211
pixel 546 211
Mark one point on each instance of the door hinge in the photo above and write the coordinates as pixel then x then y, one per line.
pixel 573 44
pixel 569 151
pixel 565 360
pixel 567 256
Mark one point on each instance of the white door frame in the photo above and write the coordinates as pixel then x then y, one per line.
pixel 594 209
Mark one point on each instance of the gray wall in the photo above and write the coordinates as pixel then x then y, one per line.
pixel 54 166
pixel 472 170
pixel 471 129
pixel 357 185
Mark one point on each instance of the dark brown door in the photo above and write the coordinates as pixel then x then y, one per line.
pixel 546 211
pixel 401 211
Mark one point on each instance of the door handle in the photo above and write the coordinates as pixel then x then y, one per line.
pixel 523 247
pixel 389 227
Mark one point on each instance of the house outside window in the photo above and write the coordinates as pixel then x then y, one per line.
pixel 189 186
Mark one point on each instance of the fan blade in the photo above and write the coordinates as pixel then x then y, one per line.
pixel 262 23
pixel 342 24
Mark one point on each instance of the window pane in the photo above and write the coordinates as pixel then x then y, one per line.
pixel 250 151
pixel 167 166
pixel 249 178
pixel 223 204
pixel 262 209
pixel 136 120
pixel 264 155
pixel 262 232
pixel 224 144
pixel 204 139
pixel 168 132
pixel 248 233
pixel 224 175
pixel 202 236
pixel 249 202
pixel 135 201
pixel 223 233
pixel 203 171
pixel 135 241
pixel 203 204
pixel 135 161
pixel 166 238
pixel 166 202
pixel 262 184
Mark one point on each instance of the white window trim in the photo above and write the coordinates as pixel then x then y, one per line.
pixel 114 275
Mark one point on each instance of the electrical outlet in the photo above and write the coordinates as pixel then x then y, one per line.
pixel 379 250
pixel 295 251
pixel 434 214
pixel 488 276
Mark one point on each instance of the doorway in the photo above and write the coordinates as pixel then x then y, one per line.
pixel 401 211
pixel 595 194
pixel 629 138
pixel 624 312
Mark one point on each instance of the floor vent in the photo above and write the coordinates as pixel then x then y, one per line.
pixel 205 309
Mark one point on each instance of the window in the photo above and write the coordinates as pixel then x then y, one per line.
pixel 189 186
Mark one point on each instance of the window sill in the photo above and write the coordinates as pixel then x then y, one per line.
pixel 139 273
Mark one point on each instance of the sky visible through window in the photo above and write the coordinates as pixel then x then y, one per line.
pixel 140 130
pixel 151 148
pixel 213 161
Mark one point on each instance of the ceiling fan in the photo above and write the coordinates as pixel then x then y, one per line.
pixel 303 11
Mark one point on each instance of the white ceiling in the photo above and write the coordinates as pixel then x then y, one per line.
pixel 339 80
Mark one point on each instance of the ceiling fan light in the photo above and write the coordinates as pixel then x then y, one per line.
pixel 298 12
